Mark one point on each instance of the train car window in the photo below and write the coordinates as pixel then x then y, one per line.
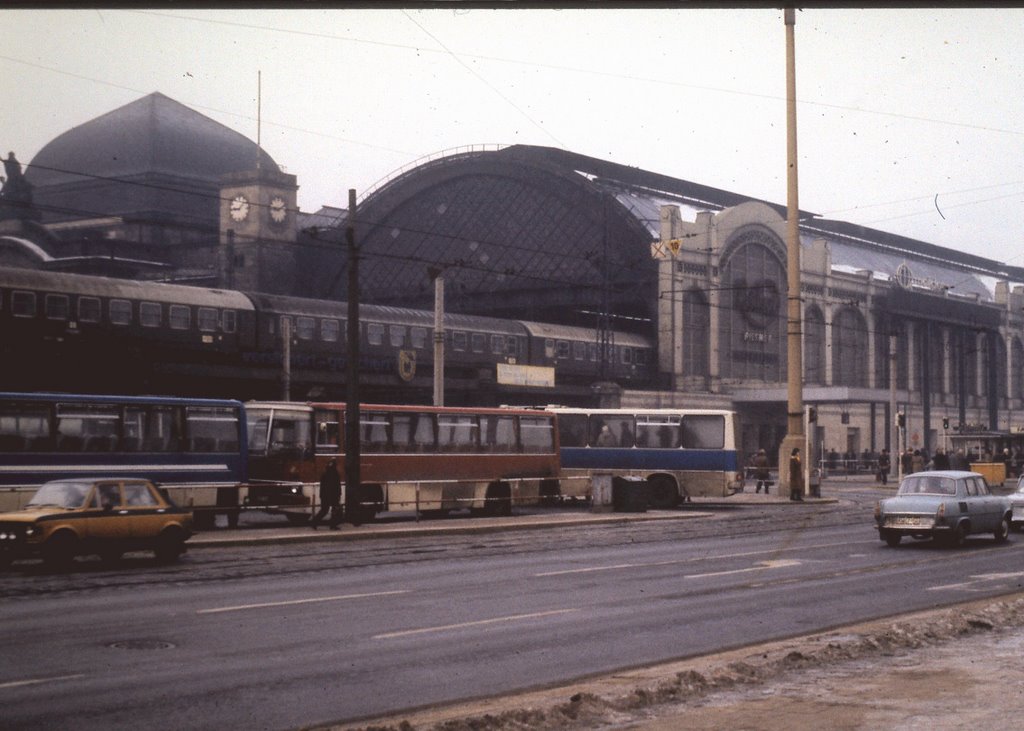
pixel 478 341
pixel 498 433
pixel 458 341
pixel 563 349
pixel 150 314
pixel 537 434
pixel 498 344
pixel 418 336
pixel 457 433
pixel 120 312
pixel 703 432
pixel 513 347
pixel 89 309
pixel 88 427
pixel 579 351
pixel 592 352
pixel 657 431
pixel 305 328
pixel 375 333
pixel 24 427
pixel 207 319
pixel 396 333
pixel 329 331
pixel 180 317
pixel 57 306
pixel 627 356
pixel 549 349
pixel 572 430
pixel 228 321
pixel 373 430
pixel 640 357
pixel 412 432
pixel 211 429
pixel 23 304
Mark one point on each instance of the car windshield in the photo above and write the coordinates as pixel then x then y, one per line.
pixel 928 485
pixel 61 494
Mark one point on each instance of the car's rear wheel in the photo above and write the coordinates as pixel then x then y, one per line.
pixel 169 546
pixel 1002 530
pixel 957 536
pixel 60 550
pixel 891 539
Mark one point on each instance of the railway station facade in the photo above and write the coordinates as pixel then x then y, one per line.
pixel 548 235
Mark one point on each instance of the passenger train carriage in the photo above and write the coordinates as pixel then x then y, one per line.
pixel 148 337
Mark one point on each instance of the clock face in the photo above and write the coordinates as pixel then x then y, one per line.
pixel 278 210
pixel 239 208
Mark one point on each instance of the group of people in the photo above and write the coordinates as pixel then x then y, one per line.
pixel 762 473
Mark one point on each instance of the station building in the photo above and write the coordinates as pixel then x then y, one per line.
pixel 155 190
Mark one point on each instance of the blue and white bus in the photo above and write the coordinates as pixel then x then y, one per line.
pixel 682 453
pixel 195 449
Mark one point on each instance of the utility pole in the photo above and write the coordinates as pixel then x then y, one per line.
pixel 795 436
pixel 352 451
pixel 437 275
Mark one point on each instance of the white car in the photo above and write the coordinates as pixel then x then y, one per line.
pixel 1017 506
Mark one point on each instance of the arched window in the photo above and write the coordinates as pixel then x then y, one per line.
pixel 849 348
pixel 1017 380
pixel 753 322
pixel 696 333
pixel 814 346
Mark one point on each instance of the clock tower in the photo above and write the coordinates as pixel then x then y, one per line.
pixel 258 229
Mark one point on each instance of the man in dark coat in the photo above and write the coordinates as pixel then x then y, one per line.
pixel 330 496
pixel 796 476
pixel 761 472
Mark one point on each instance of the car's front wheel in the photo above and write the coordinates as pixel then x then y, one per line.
pixel 891 538
pixel 60 550
pixel 1002 530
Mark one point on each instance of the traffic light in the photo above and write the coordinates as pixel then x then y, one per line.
pixel 812 414
pixel 945 422
pixel 901 420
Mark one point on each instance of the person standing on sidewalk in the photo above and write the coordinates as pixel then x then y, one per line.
pixel 761 473
pixel 884 463
pixel 796 476
pixel 330 496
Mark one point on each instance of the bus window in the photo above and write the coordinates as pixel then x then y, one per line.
pixel 289 434
pixel 537 434
pixel 150 428
pixel 24 427
pixel 456 433
pixel 618 434
pixel 328 431
pixel 703 432
pixel 412 432
pixel 572 430
pixel 87 427
pixel 373 431
pixel 655 431
pixel 211 429
pixel 498 433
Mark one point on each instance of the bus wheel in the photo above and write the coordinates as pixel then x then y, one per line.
pixel 499 500
pixel 664 493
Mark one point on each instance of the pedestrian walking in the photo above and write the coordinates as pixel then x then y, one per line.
pixel 796 476
pixel 761 472
pixel 330 496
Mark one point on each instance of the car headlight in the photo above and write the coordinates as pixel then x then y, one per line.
pixel 31 531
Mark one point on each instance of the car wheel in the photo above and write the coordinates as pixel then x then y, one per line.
pixel 1002 530
pixel 891 539
pixel 169 546
pixel 957 536
pixel 60 550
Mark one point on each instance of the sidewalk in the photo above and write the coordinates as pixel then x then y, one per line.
pixel 525 519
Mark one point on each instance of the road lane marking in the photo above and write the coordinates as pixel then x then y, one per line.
pixel 477 623
pixel 762 566
pixel 37 681
pixel 293 602
pixel 975 579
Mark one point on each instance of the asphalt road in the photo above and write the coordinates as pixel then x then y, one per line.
pixel 280 635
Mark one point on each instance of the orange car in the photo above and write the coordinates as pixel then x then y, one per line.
pixel 106 516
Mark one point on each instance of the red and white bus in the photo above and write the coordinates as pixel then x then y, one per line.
pixel 421 459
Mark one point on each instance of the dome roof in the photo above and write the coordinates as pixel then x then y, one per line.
pixel 154 134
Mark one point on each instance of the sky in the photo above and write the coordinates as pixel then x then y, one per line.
pixel 909 120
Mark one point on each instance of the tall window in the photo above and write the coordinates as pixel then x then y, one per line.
pixel 696 334
pixel 814 346
pixel 1017 372
pixel 753 325
pixel 849 348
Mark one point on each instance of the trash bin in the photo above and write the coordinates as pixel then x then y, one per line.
pixel 630 494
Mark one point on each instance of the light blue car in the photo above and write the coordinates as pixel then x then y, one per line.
pixel 943 505
pixel 1017 505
